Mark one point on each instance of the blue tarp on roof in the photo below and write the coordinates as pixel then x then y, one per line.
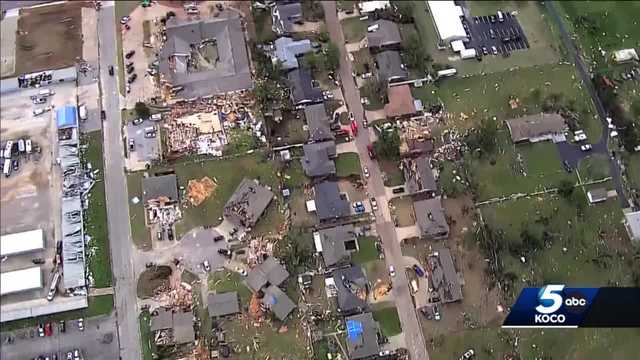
pixel 354 330
pixel 66 117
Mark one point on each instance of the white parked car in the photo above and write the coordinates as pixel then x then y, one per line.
pixel 469 354
pixel 365 171
pixel 392 271
pixel 613 133
pixel 579 136
pixel 585 147
pixel 206 266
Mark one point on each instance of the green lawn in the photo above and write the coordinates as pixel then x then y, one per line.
pixel 608 25
pixel 264 32
pixel 388 320
pixel 96 224
pixel 294 177
pixel 544 46
pixel 540 162
pixel 633 169
pixel 361 60
pixel 487 96
pixel 594 167
pixel 289 345
pixel 366 250
pixel 354 29
pixel 348 164
pixel 225 281
pixel 227 173
pixel 146 336
pixel 98 305
pixel 393 176
pixel 122 8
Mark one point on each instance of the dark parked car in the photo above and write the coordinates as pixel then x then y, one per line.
pixel 218 238
pixel 418 270
pixel 62 326
pixel 225 252
pixel 132 78
pixel 103 115
pixel 111 72
pixel 130 54
pixel 16 164
pixel 130 69
pixel 398 190
pixel 170 234
pixel 567 166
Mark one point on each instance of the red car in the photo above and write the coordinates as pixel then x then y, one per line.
pixel 372 153
pixel 354 128
pixel 47 329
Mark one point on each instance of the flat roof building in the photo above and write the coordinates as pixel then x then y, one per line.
pixel 447 20
pixel 632 224
pixel 22 242
pixel 20 280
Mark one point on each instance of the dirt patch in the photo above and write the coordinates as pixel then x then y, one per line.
pixel 403 212
pixel 49 37
pixel 200 190
pixel 153 280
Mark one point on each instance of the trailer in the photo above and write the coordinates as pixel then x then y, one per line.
pixel 20 280
pixel 22 242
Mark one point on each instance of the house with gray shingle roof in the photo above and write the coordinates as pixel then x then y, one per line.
pixel 431 219
pixel 362 342
pixel 329 203
pixel 288 50
pixel 390 67
pixel 336 244
pixel 247 203
pixel 303 91
pixel 419 175
pixel 318 122
pixel 352 289
pixel 277 302
pixel 318 160
pixel 386 36
pixel 270 272
pixel 223 304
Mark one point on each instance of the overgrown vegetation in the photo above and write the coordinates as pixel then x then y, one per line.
pixel 388 145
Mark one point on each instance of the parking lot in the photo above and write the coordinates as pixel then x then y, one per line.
pixel 97 341
pixel 144 149
pixel 486 32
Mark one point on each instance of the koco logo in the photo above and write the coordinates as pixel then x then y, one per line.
pixel 550 300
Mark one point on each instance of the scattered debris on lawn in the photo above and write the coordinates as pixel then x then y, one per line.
pixel 200 190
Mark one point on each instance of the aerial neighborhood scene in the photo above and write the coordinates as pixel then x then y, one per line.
pixel 289 180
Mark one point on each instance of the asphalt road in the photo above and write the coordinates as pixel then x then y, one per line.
pixel 93 342
pixel 585 75
pixel 386 230
pixel 116 192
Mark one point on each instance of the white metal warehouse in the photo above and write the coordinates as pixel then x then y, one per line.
pixel 20 280
pixel 446 18
pixel 22 242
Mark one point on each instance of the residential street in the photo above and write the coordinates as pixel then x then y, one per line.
pixel 384 225
pixel 116 192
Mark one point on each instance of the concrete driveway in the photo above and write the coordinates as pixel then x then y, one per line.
pixel 145 150
pixel 407 232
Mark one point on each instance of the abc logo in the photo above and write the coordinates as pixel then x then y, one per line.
pixel 550 300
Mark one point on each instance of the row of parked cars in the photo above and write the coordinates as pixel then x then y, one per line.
pixel 70 355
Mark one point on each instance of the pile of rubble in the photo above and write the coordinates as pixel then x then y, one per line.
pixel 177 295
pixel 259 248
pixel 200 190
pixel 160 213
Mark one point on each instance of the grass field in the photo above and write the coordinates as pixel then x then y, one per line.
pixel 633 164
pixel 540 162
pixel 263 21
pixel 227 173
pixel 544 47
pixel 487 96
pixel 348 164
pixel 393 174
pixel 607 25
pixel 225 281
pixel 354 29
pixel 594 167
pixel 146 337
pixel 96 224
pixel 388 320
pixel 366 250
pixel 403 211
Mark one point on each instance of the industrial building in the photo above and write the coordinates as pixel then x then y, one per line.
pixel 447 20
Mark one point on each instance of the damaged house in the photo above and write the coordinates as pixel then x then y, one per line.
pixel 171 328
pixel 419 175
pixel 160 198
pixel 206 57
pixel 362 336
pixel 431 219
pixel 318 122
pixel 443 276
pixel 351 290
pixel 284 15
pixel 247 203
pixel 264 279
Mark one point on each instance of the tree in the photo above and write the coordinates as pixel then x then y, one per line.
pixel 415 54
pixel 332 57
pixel 565 189
pixel 142 110
pixel 405 10
pixel 314 61
pixel 388 145
pixel 294 250
pixel 635 109
pixel 630 137
pixel 241 141
pixel 375 89
pixel 484 137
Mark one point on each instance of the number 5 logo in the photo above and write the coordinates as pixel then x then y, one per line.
pixel 549 299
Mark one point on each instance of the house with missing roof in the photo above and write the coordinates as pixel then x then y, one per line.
pixel 287 51
pixel 247 203
pixel 284 15
pixel 632 224
pixel 362 336
pixel 336 244
pixel 328 203
pixel 176 328
pixel 389 67
pixel 383 35
pixel 318 122
pixel 206 57
pixel 537 127
pixel 419 175
pixel 431 219
pixel 318 160
pixel 443 276
pixel 264 279
pixel 303 90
